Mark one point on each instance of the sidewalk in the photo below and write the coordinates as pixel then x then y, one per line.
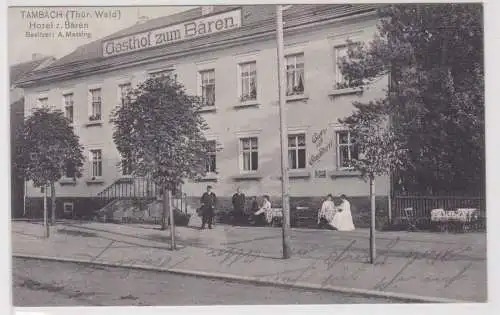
pixel 409 265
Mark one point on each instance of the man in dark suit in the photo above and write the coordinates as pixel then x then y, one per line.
pixel 208 202
pixel 238 206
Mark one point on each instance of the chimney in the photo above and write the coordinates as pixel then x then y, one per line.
pixel 207 9
pixel 36 56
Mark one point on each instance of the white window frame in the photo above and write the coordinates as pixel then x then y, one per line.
pixel 201 73
pixel 240 153
pixel 213 153
pixel 120 91
pixel 167 72
pixel 296 149
pixel 92 161
pixel 338 145
pixel 339 52
pixel 45 100
pixel 241 67
pixel 91 104
pixel 65 172
pixel 340 45
pixel 122 161
pixel 66 106
pixel 294 56
pixel 69 203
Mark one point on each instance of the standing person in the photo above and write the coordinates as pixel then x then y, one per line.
pixel 255 205
pixel 327 212
pixel 208 201
pixel 253 208
pixel 342 220
pixel 260 215
pixel 238 201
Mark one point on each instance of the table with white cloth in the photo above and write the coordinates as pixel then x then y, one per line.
pixel 464 219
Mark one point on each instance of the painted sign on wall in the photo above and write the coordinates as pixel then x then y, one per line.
pixel 174 33
pixel 322 146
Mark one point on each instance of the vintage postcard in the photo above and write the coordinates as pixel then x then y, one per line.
pixel 267 154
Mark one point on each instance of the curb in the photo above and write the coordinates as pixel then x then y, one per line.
pixel 255 280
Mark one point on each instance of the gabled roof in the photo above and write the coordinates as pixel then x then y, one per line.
pixel 20 70
pixel 93 49
pixel 256 21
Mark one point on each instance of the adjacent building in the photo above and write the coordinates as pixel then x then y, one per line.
pixel 16 97
pixel 226 54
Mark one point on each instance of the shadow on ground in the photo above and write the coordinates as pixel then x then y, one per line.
pixel 76 233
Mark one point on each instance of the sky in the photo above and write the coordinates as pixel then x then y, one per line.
pixel 21 47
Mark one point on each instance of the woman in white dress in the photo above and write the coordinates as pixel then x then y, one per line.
pixel 327 212
pixel 342 220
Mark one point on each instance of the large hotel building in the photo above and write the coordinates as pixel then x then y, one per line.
pixel 228 55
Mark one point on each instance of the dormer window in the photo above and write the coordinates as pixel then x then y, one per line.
pixel 207 9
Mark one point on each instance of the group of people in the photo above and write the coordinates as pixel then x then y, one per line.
pixel 209 201
pixel 336 217
pixel 257 213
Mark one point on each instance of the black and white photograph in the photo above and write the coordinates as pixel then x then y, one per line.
pixel 247 154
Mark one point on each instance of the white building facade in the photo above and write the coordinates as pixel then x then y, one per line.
pixel 227 54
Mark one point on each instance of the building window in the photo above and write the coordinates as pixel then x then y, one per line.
pixel 124 90
pixel 211 165
pixel 248 73
pixel 346 150
pixel 68 106
pixel 96 163
pixel 295 74
pixel 96 105
pixel 340 52
pixel 43 101
pixel 207 9
pixel 297 151
pixel 70 170
pixel 68 208
pixel 126 167
pixel 249 154
pixel 207 79
pixel 167 73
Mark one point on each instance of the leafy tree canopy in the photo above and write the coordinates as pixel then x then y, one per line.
pixel 433 55
pixel 48 147
pixel 160 130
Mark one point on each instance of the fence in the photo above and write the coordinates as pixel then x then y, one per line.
pixel 137 188
pixel 422 205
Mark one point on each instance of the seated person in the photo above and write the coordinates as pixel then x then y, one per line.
pixel 342 220
pixel 326 213
pixel 260 215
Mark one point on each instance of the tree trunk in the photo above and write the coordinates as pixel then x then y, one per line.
pixel 372 222
pixel 164 209
pixel 53 202
pixel 172 221
pixel 45 213
pixel 389 203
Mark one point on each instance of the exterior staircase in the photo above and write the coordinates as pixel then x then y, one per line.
pixel 129 188
pixel 134 199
